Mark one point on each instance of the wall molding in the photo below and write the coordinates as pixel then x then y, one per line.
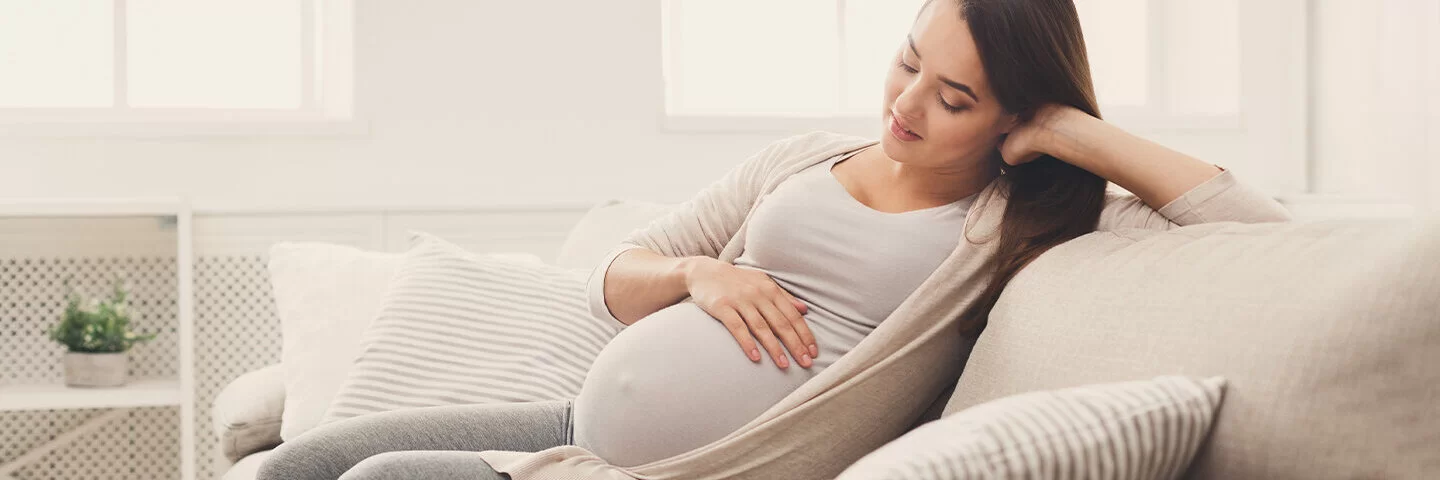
pixel 538 229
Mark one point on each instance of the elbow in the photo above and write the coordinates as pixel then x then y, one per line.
pixel 595 287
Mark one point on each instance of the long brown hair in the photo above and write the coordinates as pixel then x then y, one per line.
pixel 1034 54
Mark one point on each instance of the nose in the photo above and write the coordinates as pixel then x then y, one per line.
pixel 908 104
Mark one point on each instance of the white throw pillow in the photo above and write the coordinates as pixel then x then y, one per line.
pixel 326 296
pixel 1147 429
pixel 603 227
pixel 461 328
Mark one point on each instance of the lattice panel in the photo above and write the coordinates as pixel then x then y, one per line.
pixel 143 445
pixel 32 298
pixel 237 331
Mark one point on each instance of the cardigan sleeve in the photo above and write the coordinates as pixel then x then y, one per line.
pixel 702 225
pixel 595 287
pixel 1222 198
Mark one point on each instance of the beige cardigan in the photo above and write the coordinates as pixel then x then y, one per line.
pixel 881 388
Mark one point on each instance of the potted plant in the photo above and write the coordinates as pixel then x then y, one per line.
pixel 97 336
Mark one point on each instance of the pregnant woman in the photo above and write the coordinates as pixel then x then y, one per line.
pixel 774 275
pixel 675 380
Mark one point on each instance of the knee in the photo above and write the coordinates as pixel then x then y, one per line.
pixel 383 466
pixel 279 464
pixel 274 467
pixel 299 460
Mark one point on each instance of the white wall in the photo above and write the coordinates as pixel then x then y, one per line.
pixel 1376 133
pixel 558 102
pixel 470 103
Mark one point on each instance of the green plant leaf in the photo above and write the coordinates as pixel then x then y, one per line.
pixel 104 330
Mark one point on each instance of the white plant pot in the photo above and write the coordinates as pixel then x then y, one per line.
pixel 95 369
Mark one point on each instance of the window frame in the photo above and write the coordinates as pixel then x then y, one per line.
pixel 327 93
pixel 1148 118
pixel 1266 141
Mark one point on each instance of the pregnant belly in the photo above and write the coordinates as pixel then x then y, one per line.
pixel 672 382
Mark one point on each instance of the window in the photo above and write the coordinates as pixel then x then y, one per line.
pixel 1223 80
pixel 795 58
pixel 179 62
pixel 829 58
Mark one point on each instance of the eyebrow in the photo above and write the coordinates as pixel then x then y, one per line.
pixel 957 85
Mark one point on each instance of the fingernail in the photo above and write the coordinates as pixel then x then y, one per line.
pixel 755 354
pixel 814 351
pixel 784 363
pixel 804 360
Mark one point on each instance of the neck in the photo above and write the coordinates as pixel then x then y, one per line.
pixel 936 185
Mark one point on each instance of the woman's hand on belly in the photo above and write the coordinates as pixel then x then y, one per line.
pixel 749 302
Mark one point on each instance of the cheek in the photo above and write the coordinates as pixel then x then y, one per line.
pixel 964 134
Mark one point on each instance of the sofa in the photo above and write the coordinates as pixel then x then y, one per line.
pixel 1328 332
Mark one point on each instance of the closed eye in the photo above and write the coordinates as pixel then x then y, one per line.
pixel 949 107
pixel 905 67
pixel 943 104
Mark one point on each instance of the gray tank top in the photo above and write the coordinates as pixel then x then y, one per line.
pixel 677 380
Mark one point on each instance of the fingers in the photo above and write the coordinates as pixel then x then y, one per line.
pixel 799 305
pixel 796 324
pixel 741 331
pixel 802 327
pixel 761 329
pixel 783 325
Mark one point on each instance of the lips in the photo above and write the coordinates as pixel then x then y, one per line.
pixel 898 128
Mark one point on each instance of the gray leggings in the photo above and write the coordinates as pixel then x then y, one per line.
pixel 429 442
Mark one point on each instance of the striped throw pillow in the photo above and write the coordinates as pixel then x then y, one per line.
pixel 458 327
pixel 1143 429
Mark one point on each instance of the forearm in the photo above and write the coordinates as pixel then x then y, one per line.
pixel 1156 174
pixel 640 282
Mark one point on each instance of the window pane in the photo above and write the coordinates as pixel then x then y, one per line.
pixel 209 53
pixel 1117 43
pixel 57 53
pixel 874 30
pixel 1203 64
pixel 754 57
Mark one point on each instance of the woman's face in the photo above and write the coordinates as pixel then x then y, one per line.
pixel 936 88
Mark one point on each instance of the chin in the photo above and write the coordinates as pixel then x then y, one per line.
pixel 889 146
pixel 892 147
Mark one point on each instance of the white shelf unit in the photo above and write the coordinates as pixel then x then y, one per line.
pixel 137 392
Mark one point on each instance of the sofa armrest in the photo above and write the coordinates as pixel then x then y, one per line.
pixel 246 414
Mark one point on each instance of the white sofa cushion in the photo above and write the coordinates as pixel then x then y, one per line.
pixel 1146 429
pixel 247 468
pixel 458 327
pixel 603 227
pixel 1325 331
